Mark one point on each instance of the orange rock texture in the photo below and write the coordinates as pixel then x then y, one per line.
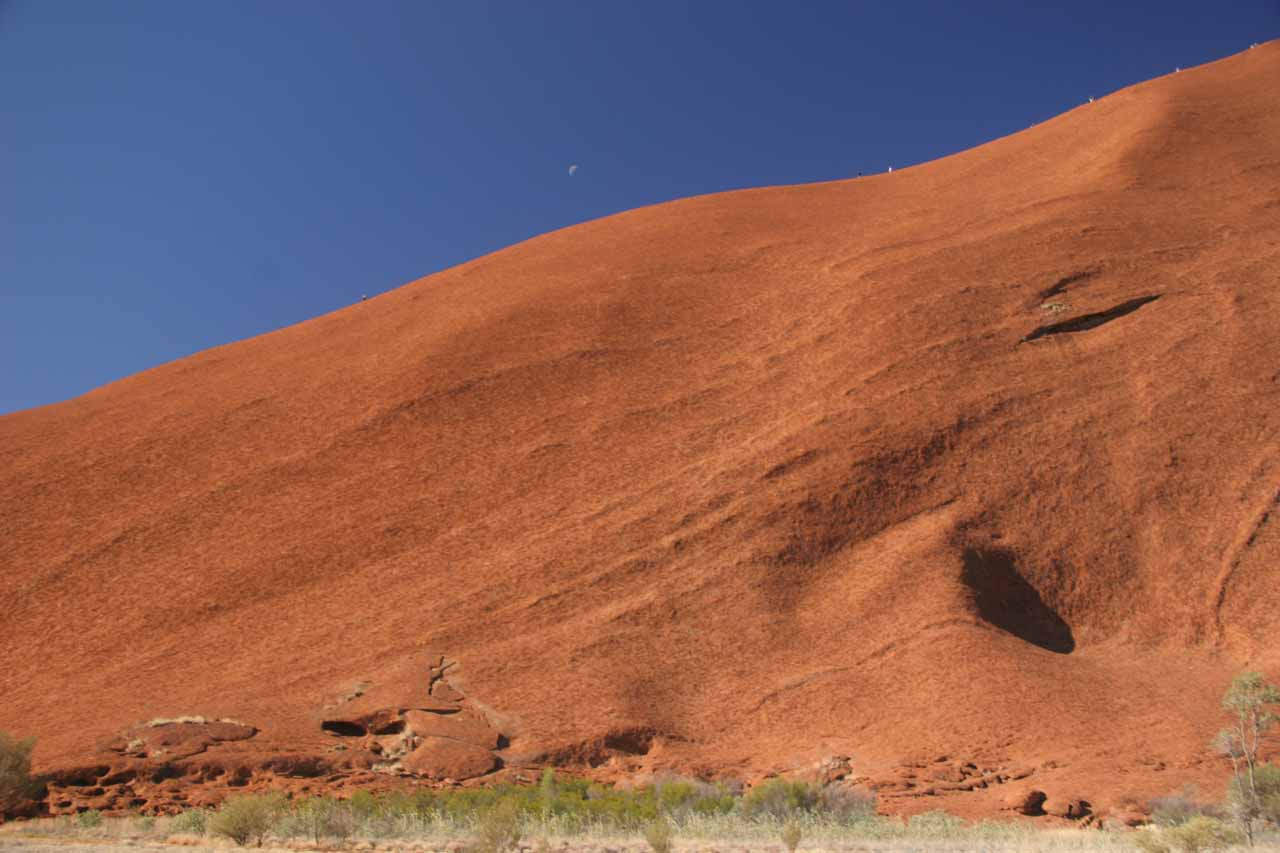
pixel 963 477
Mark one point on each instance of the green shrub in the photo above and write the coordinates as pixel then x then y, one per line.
pixel 247 817
pixel 780 799
pixel 425 804
pixel 363 805
pixel 677 798
pixel 498 829
pixel 658 836
pixel 548 792
pixel 792 835
pixel 1199 834
pixel 17 788
pixel 1202 834
pixel 90 819
pixel 570 803
pixel 190 822
pixel 322 817
pixel 846 804
pixel 627 810
pixel 463 804
pixel 1266 782
pixel 396 804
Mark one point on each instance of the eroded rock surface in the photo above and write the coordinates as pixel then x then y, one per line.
pixel 443 758
pixel 427 730
pixel 465 726
pixel 178 738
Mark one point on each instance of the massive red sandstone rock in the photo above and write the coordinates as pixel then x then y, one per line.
pixel 907 464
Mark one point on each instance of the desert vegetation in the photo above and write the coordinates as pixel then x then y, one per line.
pixel 671 814
pixel 1254 794
pixel 17 787
pixel 1184 824
pixel 661 817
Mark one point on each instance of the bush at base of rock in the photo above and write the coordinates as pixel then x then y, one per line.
pixel 247 817
pixel 780 798
pixel 1177 809
pixel 1266 783
pixel 784 798
pixel 1198 835
pixel 17 788
pixel 319 818
pixel 190 822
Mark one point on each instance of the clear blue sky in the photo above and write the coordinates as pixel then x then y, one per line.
pixel 177 174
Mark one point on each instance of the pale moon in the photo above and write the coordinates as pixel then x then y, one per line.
pixel 573 168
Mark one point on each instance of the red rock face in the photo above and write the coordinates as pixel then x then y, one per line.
pixel 976 461
pixel 162 739
pixel 446 759
pixel 463 727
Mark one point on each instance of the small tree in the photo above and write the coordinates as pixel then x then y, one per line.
pixel 17 788
pixel 322 817
pixel 780 799
pixel 192 821
pixel 247 817
pixel 1248 701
